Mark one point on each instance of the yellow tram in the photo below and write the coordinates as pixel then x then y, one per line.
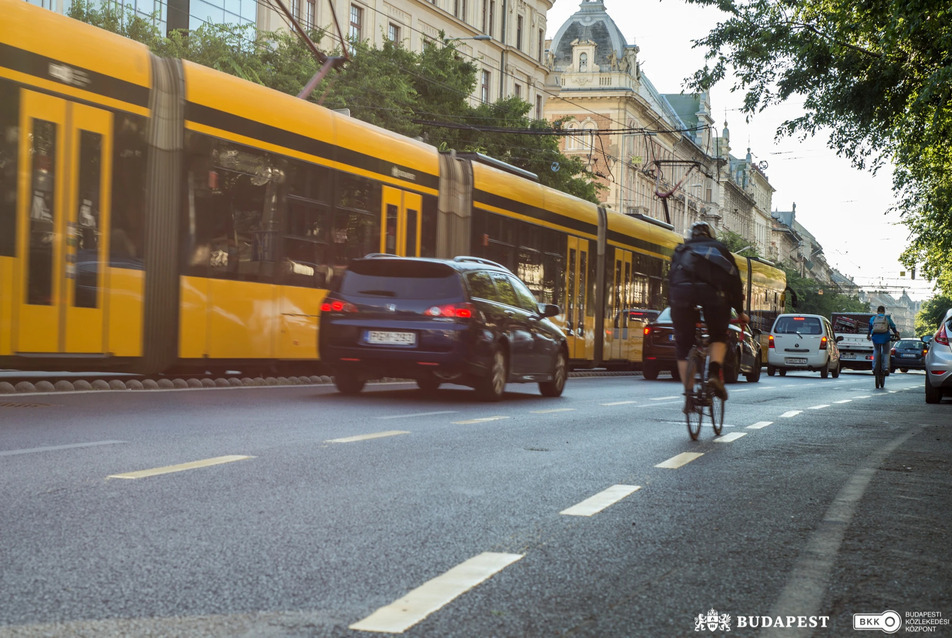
pixel 156 215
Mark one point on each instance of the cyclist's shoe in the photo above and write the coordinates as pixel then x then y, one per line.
pixel 717 387
pixel 688 403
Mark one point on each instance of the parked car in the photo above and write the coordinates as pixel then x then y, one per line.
pixel 643 315
pixel 803 342
pixel 908 354
pixel 938 362
pixel 743 351
pixel 467 320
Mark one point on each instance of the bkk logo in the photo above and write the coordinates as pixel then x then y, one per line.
pixel 711 621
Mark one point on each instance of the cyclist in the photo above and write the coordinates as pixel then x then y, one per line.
pixel 879 330
pixel 704 273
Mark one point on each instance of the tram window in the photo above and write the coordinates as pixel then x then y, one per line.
pixel 42 212
pixel 306 245
pixel 428 230
pixel 9 154
pixel 128 192
pixel 237 196
pixel 531 270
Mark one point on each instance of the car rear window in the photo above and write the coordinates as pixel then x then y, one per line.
pixel 803 325
pixel 402 280
pixel 909 344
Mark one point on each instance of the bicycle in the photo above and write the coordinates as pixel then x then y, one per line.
pixel 702 400
pixel 880 371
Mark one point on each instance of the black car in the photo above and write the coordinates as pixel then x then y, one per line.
pixel 743 351
pixel 467 320
pixel 908 354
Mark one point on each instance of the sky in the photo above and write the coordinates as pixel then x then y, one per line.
pixel 844 208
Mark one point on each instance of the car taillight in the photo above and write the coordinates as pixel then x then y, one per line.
pixel 942 336
pixel 453 310
pixel 770 342
pixel 338 306
pixel 823 343
pixel 892 352
pixel 647 330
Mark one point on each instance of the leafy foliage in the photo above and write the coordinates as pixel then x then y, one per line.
pixel 391 87
pixel 875 76
pixel 931 313
pixel 817 298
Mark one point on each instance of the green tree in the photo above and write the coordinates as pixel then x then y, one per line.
pixel 931 313
pixel 816 298
pixel 876 77
pixel 737 243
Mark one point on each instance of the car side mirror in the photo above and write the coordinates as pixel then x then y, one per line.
pixel 549 310
pixel 840 338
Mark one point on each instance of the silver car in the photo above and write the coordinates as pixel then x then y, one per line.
pixel 939 362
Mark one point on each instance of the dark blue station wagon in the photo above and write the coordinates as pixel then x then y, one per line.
pixel 467 321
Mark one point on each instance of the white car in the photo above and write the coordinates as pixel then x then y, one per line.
pixel 803 342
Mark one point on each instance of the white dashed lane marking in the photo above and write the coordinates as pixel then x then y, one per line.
pixel 759 425
pixel 419 414
pixel 402 614
pixel 482 420
pixel 621 403
pixel 680 460
pixel 595 504
pixel 790 413
pixel 367 437
pixel 819 407
pixel 727 438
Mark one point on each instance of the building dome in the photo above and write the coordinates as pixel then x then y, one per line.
pixel 590 23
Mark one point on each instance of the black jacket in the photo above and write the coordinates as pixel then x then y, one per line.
pixel 705 262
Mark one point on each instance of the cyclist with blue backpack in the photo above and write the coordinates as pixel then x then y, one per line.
pixel 881 329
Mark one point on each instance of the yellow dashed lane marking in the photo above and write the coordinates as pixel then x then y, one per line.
pixel 169 469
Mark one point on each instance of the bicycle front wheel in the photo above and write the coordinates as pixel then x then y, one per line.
pixel 694 413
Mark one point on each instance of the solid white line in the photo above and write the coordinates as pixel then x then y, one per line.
pixel 54 448
pixel 759 425
pixel 595 504
pixel 482 420
pixel 790 413
pixel 620 403
pixel 727 438
pixel 662 398
pixel 681 459
pixel 367 437
pixel 402 614
pixel 413 416
pixel 169 469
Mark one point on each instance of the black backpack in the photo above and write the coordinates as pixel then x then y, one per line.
pixel 693 262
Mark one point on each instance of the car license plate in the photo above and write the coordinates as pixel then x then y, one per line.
pixel 908 356
pixel 796 360
pixel 847 355
pixel 385 338
pixel 671 337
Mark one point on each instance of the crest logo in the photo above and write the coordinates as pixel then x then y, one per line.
pixel 712 621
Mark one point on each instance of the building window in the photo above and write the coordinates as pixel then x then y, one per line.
pixel 460 9
pixel 490 19
pixel 393 33
pixel 538 107
pixel 519 32
pixel 310 14
pixel 583 62
pixel 356 21
pixel 541 46
pixel 484 87
pixel 296 10
pixel 517 90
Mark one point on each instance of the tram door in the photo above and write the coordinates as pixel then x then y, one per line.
pixel 576 290
pixel 63 196
pixel 621 331
pixel 401 221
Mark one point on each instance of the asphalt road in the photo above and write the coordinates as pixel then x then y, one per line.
pixel 299 512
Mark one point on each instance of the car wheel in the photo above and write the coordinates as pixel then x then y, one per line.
pixel 771 371
pixel 493 385
pixel 904 370
pixel 754 375
pixel 649 370
pixel 348 383
pixel 560 373
pixel 783 372
pixel 731 370
pixel 933 394
pixel 836 371
pixel 825 372
pixel 428 384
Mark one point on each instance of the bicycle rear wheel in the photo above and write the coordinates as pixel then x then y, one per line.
pixel 695 415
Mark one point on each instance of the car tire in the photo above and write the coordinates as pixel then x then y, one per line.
pixel 649 370
pixel 904 370
pixel 825 372
pixel 933 394
pixel 731 370
pixel 782 371
pixel 560 373
pixel 754 375
pixel 836 371
pixel 493 386
pixel 348 383
pixel 428 385
pixel 771 371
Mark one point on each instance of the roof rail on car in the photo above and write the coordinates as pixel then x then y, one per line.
pixel 478 260
pixel 378 255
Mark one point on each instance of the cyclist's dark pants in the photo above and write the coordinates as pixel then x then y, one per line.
pixel 684 316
